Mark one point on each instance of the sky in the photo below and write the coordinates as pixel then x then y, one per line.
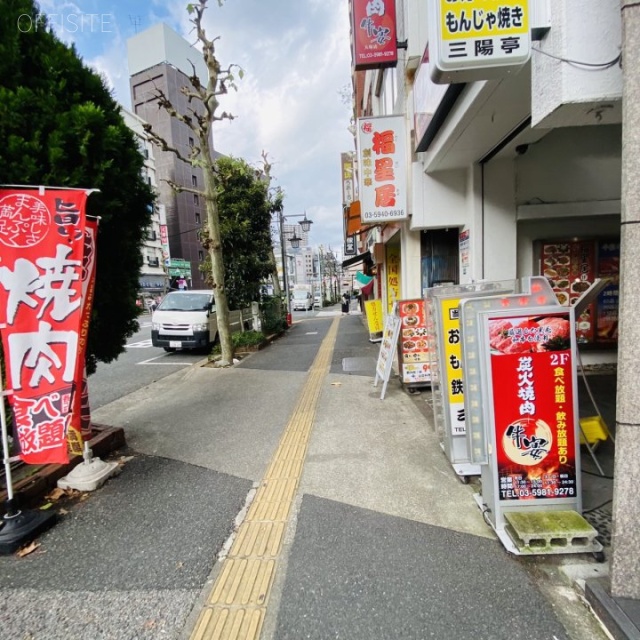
pixel 290 103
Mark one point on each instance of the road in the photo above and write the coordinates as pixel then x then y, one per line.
pixel 142 364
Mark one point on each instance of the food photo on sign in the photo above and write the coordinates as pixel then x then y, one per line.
pixel 533 404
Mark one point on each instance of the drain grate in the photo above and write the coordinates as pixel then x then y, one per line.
pixel 359 364
pixel 600 520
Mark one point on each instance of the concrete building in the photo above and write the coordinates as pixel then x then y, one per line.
pixel 161 60
pixel 153 275
pixel 519 175
pixel 502 171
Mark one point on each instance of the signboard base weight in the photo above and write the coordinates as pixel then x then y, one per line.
pixel 19 527
pixel 527 533
pixel 90 474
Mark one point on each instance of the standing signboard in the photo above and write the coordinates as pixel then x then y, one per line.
pixel 520 352
pixel 413 348
pixel 387 350
pixel 449 384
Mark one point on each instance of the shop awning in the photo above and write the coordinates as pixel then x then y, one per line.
pixel 363 257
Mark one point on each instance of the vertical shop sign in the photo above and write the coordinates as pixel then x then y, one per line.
pixel 42 237
pixel 382 169
pixel 465 245
pixel 375 322
pixel 374 34
pixel 454 380
pixel 393 275
pixel 533 404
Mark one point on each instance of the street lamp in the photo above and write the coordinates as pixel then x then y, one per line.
pixel 305 225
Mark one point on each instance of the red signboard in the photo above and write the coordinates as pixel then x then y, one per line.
pixel 42 246
pixel 374 34
pixel 533 401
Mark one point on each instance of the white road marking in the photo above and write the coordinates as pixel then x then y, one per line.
pixel 142 344
pixel 164 355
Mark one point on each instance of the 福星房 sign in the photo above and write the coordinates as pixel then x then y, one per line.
pixel 477 39
pixel 383 169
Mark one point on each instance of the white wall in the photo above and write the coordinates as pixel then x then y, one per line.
pixel 500 228
pixel 578 164
pixel 439 199
pixel 585 31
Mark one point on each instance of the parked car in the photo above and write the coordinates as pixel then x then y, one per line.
pixel 317 301
pixel 302 301
pixel 187 320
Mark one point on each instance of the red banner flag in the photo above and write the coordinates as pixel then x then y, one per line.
pixel 42 245
pixel 80 428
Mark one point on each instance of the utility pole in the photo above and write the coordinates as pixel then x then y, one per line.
pixel 625 578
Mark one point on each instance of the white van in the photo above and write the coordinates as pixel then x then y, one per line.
pixel 187 320
pixel 302 300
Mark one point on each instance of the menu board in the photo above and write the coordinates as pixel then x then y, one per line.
pixel 413 347
pixel 571 268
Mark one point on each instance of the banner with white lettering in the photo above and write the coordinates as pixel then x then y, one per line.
pixel 41 247
pixel 80 427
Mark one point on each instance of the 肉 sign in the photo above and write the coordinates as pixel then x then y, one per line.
pixel 374 34
pixel 531 374
pixel 42 244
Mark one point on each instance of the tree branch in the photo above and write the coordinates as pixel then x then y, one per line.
pixel 162 143
pixel 179 188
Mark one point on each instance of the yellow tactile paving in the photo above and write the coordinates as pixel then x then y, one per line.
pixel 237 605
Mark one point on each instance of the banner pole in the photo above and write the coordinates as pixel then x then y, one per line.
pixel 5 450
pixel 17 527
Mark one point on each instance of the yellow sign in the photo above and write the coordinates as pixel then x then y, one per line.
pixel 393 275
pixel 453 363
pixel 373 309
pixel 469 19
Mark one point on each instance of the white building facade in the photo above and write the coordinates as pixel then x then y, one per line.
pixel 514 176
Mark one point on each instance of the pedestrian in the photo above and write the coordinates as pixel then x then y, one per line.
pixel 345 302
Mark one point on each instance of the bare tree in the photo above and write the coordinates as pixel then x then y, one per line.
pixel 203 104
pixel 276 201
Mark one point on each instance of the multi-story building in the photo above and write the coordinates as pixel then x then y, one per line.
pixel 160 60
pixel 501 172
pixel 153 274
pixel 515 174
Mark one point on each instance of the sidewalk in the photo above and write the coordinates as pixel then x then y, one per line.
pixel 334 514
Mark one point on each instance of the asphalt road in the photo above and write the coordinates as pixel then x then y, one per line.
pixel 142 364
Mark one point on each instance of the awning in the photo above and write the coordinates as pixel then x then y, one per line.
pixel 363 257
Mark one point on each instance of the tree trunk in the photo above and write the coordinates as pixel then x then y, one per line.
pixel 215 251
pixel 274 275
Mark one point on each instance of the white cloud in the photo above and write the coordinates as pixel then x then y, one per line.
pixel 295 57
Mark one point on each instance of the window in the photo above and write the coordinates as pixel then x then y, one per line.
pixel 194 181
pixel 197 218
pixel 201 255
pixel 191 142
pixel 196 199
